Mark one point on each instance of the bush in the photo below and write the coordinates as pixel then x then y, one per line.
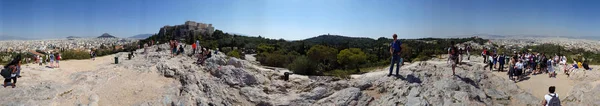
pixel 234 53
pixel 272 59
pixel 75 54
pixel 352 57
pixel 303 65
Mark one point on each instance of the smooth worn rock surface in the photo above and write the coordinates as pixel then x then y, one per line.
pixel 225 81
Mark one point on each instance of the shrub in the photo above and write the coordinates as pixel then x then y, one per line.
pixel 75 54
pixel 352 57
pixel 234 53
pixel 303 65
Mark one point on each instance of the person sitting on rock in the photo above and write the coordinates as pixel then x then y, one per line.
pixel 180 51
pixel 568 70
pixel 586 66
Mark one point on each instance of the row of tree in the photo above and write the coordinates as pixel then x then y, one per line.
pixel 317 55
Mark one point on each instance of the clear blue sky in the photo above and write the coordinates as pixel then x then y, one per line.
pixel 300 19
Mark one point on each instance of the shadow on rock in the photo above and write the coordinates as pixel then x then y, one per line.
pixel 469 81
pixel 412 79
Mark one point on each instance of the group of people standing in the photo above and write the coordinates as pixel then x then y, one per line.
pixel 52 58
pixel 526 63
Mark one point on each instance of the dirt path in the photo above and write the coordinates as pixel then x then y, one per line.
pixel 77 81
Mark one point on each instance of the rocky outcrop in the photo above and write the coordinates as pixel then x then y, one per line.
pixel 189 30
pixel 231 81
pixel 586 92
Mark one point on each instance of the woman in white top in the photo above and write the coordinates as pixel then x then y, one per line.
pixel 518 70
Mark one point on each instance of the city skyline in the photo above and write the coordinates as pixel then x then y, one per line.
pixel 301 19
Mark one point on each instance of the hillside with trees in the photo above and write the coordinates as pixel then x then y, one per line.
pixel 320 55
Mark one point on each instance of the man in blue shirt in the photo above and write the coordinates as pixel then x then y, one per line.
pixel 395 50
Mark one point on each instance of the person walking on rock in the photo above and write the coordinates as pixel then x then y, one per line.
pixel 551 99
pixel 395 50
pixel 453 57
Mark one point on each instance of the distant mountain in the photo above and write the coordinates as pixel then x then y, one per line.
pixel 141 36
pixel 6 37
pixel 106 35
pixel 73 37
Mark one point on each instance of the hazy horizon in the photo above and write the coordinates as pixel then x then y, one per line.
pixel 301 19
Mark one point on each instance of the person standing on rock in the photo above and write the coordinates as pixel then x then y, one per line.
pixel 395 48
pixel 194 48
pixel 453 56
pixel 468 49
pixel 484 54
pixel 551 99
pixel 550 69
pixel 460 55
pixel 511 66
pixel 51 60
pixel 501 61
pixel 518 70
pixel 58 57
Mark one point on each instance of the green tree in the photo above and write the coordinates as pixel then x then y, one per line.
pixel 303 65
pixel 265 48
pixel 324 55
pixel 351 57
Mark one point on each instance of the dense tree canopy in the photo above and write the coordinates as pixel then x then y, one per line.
pixel 351 57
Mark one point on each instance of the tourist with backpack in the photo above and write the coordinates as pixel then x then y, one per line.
pixel 11 72
pixel 551 99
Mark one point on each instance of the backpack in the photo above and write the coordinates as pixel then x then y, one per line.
pixel 5 73
pixel 453 51
pixel 554 101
